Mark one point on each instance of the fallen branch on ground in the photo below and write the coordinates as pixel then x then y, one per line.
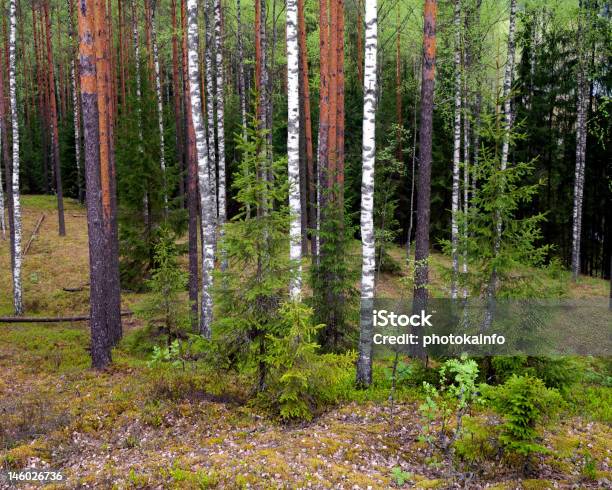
pixel 40 220
pixel 46 319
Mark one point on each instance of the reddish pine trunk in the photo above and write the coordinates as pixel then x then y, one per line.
pixel 177 101
pixel 53 128
pixel 107 172
pixel 100 335
pixel 421 274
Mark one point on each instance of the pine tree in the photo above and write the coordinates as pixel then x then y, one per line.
pixel 421 253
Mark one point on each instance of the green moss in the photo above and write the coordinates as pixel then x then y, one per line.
pixel 537 484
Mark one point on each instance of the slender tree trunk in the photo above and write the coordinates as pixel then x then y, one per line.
pixel 370 89
pixel 324 117
pixel 160 104
pixel 340 110
pixel 210 93
pixel 222 199
pixel 2 215
pixel 507 127
pixel 421 255
pixel 293 149
pixel 6 156
pixel 17 291
pixel 398 84
pixel 76 109
pixel 207 193
pixel 412 180
pixel 456 151
pixel 241 77
pixel 176 95
pixel 192 178
pixel 53 120
pixel 307 130
pixel 359 4
pixel 581 131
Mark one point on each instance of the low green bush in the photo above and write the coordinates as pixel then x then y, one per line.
pixel 523 402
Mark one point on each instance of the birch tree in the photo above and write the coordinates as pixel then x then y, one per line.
pixel 222 206
pixel 76 109
pixel 17 291
pixel 210 95
pixel 456 150
pixel 364 363
pixel 207 195
pixel 293 149
pixel 581 131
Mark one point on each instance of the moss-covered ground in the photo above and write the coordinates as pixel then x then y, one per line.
pixel 136 426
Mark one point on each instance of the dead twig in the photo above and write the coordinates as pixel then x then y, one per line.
pixel 27 247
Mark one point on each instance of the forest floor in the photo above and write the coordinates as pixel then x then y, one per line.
pixel 135 426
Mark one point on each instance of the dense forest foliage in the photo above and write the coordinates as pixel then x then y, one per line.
pixel 223 193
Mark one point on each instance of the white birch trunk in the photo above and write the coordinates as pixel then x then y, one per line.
pixel 207 196
pixel 466 184
pixel 364 363
pixel 17 291
pixel 210 93
pixel 222 206
pixel 456 151
pixel 293 150
pixel 580 152
pixel 2 218
pixel 77 129
pixel 160 108
pixel 136 41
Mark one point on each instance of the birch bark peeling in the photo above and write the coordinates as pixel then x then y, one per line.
pixel 293 150
pixel 370 89
pixel 456 150
pixel 207 196
pixel 17 289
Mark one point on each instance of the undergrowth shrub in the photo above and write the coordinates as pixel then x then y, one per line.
pixel 444 407
pixel 555 372
pixel 301 380
pixel 523 402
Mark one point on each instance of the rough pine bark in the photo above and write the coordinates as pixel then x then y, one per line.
pixel 17 290
pixel 207 194
pixel 370 89
pixel 456 150
pixel 308 176
pixel 241 76
pixel 293 150
pixel 324 117
pixel 176 97
pixel 421 253
pixel 100 335
pixel 53 121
